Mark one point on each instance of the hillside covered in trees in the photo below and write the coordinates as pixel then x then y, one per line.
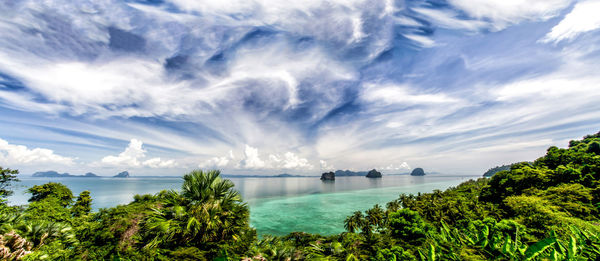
pixel 544 210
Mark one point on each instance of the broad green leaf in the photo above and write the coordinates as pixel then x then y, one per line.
pixel 572 250
pixel 431 253
pixel 539 247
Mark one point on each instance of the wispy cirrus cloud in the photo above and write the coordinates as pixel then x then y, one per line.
pixel 275 86
pixel 583 18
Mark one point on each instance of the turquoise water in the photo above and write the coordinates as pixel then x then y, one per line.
pixel 277 205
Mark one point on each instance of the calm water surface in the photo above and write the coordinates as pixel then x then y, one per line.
pixel 277 205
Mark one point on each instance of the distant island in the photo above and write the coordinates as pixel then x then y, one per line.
pixel 328 176
pixel 418 172
pixel 286 175
pixel 124 174
pixel 283 175
pixel 343 173
pixel 347 173
pixel 54 174
pixel 374 174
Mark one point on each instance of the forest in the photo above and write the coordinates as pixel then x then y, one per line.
pixel 547 209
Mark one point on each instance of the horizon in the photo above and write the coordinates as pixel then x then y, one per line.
pixel 164 87
pixel 254 174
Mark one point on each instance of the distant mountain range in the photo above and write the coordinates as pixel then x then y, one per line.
pixel 284 175
pixel 54 174
pixel 344 173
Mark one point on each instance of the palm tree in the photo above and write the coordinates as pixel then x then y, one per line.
pixel 375 216
pixel 355 222
pixel 203 187
pixel 393 206
pixel 206 210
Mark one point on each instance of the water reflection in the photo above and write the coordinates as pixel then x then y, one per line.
pixel 108 192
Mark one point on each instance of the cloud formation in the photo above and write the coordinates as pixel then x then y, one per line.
pixel 299 86
pixel 583 18
pixel 19 155
pixel 134 155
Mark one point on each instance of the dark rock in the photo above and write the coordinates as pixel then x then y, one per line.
pixel 124 174
pixel 418 172
pixel 328 176
pixel 374 174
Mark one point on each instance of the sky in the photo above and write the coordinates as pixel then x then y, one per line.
pixel 161 87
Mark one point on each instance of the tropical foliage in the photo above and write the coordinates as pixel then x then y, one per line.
pixel 543 210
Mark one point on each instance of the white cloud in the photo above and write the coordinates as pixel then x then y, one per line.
pixel 133 156
pixel 401 94
pixel 18 154
pixel 447 19
pixel 325 166
pixel 583 18
pixel 251 159
pixel 502 13
pixel 512 146
pixel 424 41
pixel 289 160
pixel 217 162
pixel 394 167
pixel 159 163
pixel 560 85
pixel 129 157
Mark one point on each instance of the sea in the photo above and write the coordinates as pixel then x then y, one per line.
pixel 278 205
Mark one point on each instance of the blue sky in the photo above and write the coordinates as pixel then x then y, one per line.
pixel 267 86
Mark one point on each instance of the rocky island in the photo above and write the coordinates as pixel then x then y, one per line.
pixel 374 174
pixel 418 172
pixel 328 176
pixel 124 174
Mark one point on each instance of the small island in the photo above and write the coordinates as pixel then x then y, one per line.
pixel 328 176
pixel 54 174
pixel 374 174
pixel 124 174
pixel 418 172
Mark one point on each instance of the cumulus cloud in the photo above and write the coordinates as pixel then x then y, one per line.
pixel 218 162
pixel 288 160
pixel 11 154
pixel 133 156
pixel 325 166
pixel 583 18
pixel 251 159
pixel 395 167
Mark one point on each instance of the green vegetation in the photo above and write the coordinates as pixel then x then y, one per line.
pixel 542 210
pixel 494 170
